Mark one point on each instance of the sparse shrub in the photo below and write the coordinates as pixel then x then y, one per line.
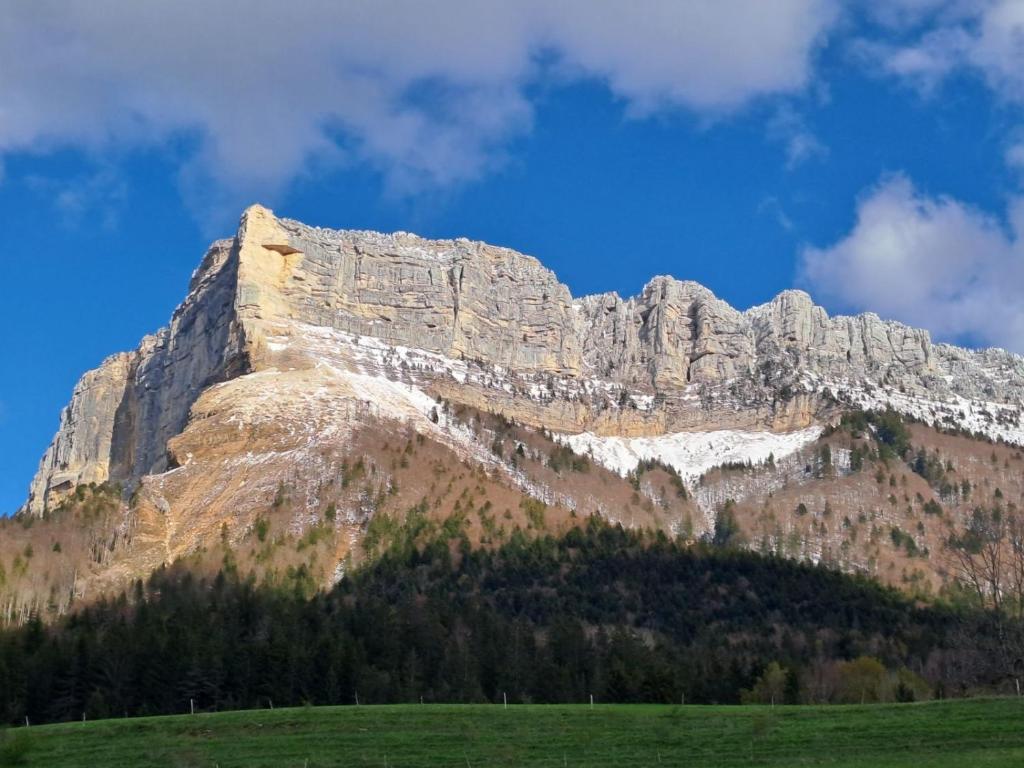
pixel 727 529
pixel 770 687
pixel 862 681
pixel 280 497
pixel 564 457
pixel 911 687
pixel 857 458
pixel 648 465
pixel 535 511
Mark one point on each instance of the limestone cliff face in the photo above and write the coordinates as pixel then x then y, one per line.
pixel 486 326
pixel 81 450
pixel 123 414
pixel 456 298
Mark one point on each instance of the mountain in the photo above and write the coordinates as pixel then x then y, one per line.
pixel 316 385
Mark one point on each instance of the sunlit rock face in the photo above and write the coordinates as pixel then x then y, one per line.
pixel 289 334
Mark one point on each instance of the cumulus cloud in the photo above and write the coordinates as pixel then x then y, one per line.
pixel 429 93
pixel 931 262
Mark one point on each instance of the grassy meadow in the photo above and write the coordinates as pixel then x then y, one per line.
pixel 976 733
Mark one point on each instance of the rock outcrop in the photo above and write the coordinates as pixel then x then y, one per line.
pixel 494 329
pixel 123 414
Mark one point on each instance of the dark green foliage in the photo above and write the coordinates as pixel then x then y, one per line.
pixel 887 427
pixel 535 511
pixel 891 432
pixel 825 468
pixel 727 530
pixel 857 455
pixel 261 528
pixel 930 467
pixel 904 540
pixel 563 457
pixel 349 474
pixel 331 513
pixel 649 465
pixel 625 616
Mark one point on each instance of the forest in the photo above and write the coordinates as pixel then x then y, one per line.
pixel 619 615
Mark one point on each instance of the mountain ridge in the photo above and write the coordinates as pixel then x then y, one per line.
pixel 318 387
pixel 699 363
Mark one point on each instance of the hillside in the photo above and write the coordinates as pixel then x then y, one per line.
pixel 934 735
pixel 601 611
pixel 315 385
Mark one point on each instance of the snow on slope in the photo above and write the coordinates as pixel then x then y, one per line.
pixel 691 454
pixel 999 421
pixel 370 366
pixel 374 356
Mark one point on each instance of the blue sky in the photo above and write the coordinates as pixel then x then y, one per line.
pixel 873 157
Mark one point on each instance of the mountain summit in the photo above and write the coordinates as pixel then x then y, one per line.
pixel 302 356
pixel 284 317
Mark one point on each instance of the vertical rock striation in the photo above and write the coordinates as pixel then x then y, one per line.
pixel 499 331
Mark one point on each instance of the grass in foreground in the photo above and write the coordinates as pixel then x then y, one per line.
pixel 977 733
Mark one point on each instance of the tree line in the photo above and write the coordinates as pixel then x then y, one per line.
pixel 621 615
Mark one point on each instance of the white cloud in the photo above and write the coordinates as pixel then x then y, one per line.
pixel 788 127
pixel 929 262
pixel 96 196
pixel 902 14
pixel 925 64
pixel 1015 157
pixel 983 37
pixel 771 206
pixel 429 93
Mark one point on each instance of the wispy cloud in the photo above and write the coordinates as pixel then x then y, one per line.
pixel 1015 157
pixel 980 37
pixel 801 145
pixel 771 206
pixel 95 197
pixel 429 93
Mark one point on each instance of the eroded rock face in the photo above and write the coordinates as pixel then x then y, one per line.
pixel 456 298
pixel 494 329
pixel 81 450
pixel 123 414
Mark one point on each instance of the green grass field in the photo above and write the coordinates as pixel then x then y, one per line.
pixel 974 733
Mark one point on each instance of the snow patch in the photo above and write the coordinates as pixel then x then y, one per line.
pixel 691 454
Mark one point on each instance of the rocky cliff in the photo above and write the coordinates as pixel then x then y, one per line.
pixel 286 326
